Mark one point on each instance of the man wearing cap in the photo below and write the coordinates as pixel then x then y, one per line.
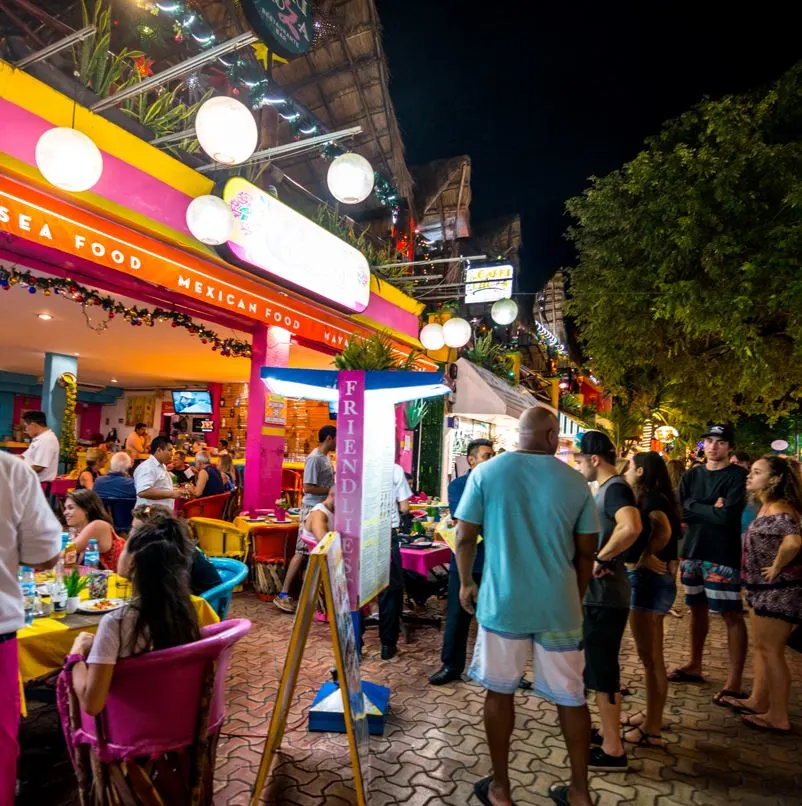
pixel 713 497
pixel 608 595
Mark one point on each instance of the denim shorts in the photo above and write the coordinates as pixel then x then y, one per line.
pixel 651 592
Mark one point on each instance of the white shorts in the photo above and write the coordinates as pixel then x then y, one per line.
pixel 499 661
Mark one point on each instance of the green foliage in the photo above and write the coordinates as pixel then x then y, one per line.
pixel 376 352
pixel 755 434
pixel 688 273
pixel 623 425
pixel 414 412
pixel 164 113
pixel 75 583
pixel 98 68
pixel 484 353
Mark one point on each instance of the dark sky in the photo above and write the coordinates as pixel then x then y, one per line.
pixel 543 100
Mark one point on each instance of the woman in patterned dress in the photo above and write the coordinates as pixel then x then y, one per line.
pixel 772 574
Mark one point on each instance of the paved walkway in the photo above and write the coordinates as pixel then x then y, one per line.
pixel 434 750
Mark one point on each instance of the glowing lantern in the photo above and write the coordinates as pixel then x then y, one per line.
pixel 457 332
pixel 350 178
pixel 226 130
pixel 431 336
pixel 209 219
pixel 69 159
pixel 504 311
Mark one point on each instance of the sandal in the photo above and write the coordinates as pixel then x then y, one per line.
pixel 758 723
pixel 646 739
pixel 482 791
pixel 718 699
pixel 560 794
pixel 681 676
pixel 729 702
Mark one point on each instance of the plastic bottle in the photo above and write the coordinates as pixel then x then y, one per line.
pixel 27 584
pixel 70 553
pixel 58 593
pixel 92 555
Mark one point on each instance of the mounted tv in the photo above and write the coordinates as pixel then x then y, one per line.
pixel 190 401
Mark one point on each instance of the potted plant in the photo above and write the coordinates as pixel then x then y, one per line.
pixel 74 584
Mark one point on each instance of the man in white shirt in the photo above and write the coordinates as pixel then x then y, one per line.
pixel 43 452
pixel 29 534
pixel 154 484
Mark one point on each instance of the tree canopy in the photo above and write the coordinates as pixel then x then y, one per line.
pixel 688 272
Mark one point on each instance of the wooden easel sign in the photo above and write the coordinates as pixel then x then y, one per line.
pixel 325 568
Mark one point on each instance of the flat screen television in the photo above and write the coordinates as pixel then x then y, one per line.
pixel 190 401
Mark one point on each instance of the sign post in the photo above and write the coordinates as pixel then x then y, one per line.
pixel 326 568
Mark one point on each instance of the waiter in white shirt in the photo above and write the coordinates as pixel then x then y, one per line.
pixel 154 484
pixel 29 534
pixel 43 452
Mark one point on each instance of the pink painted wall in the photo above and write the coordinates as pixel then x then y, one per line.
pixel 89 419
pixel 22 404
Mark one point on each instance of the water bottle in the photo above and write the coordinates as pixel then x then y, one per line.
pixel 58 592
pixel 27 584
pixel 92 555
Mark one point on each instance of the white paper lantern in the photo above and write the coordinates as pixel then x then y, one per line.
pixel 209 219
pixel 350 178
pixel 69 159
pixel 457 332
pixel 504 311
pixel 226 130
pixel 431 336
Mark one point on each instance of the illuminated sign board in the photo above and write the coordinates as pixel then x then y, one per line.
pixel 287 247
pixel 488 283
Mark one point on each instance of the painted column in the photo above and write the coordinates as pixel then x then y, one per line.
pixel 53 395
pixel 264 447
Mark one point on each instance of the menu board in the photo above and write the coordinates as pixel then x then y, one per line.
pixel 377 497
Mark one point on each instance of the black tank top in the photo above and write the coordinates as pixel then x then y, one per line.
pixel 214 484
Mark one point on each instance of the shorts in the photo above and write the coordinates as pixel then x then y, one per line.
pixel 301 547
pixel 604 629
pixel 651 592
pixel 499 662
pixel 717 586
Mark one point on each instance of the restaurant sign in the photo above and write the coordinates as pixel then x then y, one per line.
pixel 290 249
pixel 488 283
pixel 47 222
pixel 285 26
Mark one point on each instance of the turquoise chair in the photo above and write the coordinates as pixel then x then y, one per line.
pixel 232 572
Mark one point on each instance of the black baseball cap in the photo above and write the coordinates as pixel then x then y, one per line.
pixel 722 431
pixel 596 443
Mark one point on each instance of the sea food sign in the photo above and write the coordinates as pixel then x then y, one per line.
pixel 285 26
pixel 287 247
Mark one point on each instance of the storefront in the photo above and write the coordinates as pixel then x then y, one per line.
pixel 123 252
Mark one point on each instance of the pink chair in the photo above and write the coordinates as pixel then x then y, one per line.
pixel 156 739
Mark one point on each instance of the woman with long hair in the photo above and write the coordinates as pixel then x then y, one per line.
pixel 160 614
pixel 772 574
pixel 95 459
pixel 87 520
pixel 226 468
pixel 651 566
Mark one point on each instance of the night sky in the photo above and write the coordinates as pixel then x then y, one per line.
pixel 540 105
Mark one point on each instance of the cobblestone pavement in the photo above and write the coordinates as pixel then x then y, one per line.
pixel 434 750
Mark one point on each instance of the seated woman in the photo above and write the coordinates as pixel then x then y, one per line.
pixel 227 472
pixel 88 520
pixel 95 460
pixel 203 576
pixel 209 481
pixel 160 614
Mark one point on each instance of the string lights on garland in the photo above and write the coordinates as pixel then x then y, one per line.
pixel 135 315
pixel 251 84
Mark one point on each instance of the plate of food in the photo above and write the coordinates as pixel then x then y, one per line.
pixel 96 606
pixel 419 544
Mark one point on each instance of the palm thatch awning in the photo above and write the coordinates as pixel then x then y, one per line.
pixel 443 199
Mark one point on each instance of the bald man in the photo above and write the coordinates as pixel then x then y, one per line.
pixel 539 525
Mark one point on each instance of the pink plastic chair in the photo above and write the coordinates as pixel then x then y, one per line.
pixel 164 710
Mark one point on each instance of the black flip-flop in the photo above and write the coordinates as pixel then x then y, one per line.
pixel 560 794
pixel 765 728
pixel 482 791
pixel 680 676
pixel 728 692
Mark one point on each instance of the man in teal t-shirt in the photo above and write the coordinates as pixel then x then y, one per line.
pixel 539 524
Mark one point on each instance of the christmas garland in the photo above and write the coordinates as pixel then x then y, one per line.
pixel 68 445
pixel 135 315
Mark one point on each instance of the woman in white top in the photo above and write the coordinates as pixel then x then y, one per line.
pixel 320 520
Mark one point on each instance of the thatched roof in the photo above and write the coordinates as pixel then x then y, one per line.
pixel 500 238
pixel 443 197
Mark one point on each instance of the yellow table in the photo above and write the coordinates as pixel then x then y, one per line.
pixel 44 645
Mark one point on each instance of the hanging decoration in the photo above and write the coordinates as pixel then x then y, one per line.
pixel 67 441
pixel 68 159
pixel 135 315
pixel 504 311
pixel 431 336
pixel 350 178
pixel 456 332
pixel 226 130
pixel 209 219
pixel 144 66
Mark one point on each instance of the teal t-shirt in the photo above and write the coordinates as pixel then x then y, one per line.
pixel 529 507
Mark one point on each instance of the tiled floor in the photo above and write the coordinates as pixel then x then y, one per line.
pixel 434 750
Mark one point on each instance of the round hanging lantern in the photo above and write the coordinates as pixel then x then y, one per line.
pixel 666 433
pixel 226 130
pixel 431 336
pixel 350 178
pixel 209 219
pixel 457 332
pixel 69 159
pixel 504 311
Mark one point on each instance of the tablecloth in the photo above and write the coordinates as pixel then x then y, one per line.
pixel 421 561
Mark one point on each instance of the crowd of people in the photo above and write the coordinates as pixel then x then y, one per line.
pixel 564 572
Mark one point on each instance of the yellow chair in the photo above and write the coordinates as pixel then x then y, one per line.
pixel 220 538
